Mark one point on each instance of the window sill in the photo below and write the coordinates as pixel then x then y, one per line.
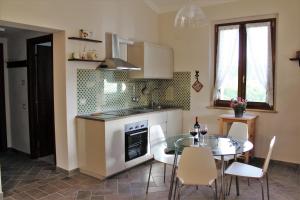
pixel 253 110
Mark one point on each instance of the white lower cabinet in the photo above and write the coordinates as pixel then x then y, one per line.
pixel 101 145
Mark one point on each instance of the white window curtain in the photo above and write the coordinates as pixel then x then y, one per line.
pixel 227 55
pixel 259 56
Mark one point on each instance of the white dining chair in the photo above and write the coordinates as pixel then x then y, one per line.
pixel 196 167
pixel 244 170
pixel 163 157
pixel 238 131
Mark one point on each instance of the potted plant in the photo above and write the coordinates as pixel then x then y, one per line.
pixel 239 106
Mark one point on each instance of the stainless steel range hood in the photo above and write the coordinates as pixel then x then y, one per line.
pixel 115 58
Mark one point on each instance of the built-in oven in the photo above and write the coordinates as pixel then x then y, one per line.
pixel 136 140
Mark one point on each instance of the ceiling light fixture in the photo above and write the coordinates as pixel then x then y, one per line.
pixel 190 15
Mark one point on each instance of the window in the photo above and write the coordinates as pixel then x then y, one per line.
pixel 244 63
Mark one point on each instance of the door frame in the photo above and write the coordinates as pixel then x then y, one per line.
pixel 3 134
pixel 31 61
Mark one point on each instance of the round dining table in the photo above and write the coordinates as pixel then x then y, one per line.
pixel 171 147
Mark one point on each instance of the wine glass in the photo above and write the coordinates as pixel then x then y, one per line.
pixel 203 131
pixel 194 132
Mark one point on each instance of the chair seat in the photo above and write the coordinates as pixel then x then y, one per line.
pixel 167 159
pixel 244 170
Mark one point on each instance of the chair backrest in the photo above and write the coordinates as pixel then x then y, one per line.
pixel 156 134
pixel 197 166
pixel 239 131
pixel 267 161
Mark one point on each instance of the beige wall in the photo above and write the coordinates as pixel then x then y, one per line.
pixel 130 18
pixel 193 47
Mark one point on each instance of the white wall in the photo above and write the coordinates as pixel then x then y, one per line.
pixel 6 87
pixel 130 18
pixel 193 50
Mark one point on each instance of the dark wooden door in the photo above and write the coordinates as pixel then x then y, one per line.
pixel 41 103
pixel 44 100
pixel 3 138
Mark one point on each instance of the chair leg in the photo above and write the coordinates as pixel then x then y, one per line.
pixel 262 189
pixel 237 185
pixel 216 189
pixel 175 189
pixel 149 178
pixel 179 192
pixel 229 185
pixel 165 167
pixel 214 192
pixel 268 190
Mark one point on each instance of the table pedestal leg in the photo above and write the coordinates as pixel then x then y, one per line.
pixel 222 196
pixel 173 176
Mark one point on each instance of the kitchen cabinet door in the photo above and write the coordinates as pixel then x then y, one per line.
pixel 174 122
pixel 91 147
pixel 155 60
pixel 114 146
pixel 158 61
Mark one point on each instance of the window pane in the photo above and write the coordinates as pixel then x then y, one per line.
pixel 257 61
pixel 227 62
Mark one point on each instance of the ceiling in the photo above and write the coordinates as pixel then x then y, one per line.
pixel 162 6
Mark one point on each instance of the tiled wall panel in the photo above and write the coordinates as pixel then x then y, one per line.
pixel 100 91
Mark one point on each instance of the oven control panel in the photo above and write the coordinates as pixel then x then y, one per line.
pixel 136 126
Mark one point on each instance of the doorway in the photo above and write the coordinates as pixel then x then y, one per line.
pixel 40 97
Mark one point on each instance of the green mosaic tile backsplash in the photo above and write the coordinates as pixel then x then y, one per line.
pixel 100 91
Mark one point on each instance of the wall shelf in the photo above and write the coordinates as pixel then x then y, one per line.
pixel 84 39
pixel 295 59
pixel 84 60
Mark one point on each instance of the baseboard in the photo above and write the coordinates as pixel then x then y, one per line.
pixel 17 151
pixel 68 172
pixel 277 162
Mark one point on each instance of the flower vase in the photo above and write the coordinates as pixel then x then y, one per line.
pixel 239 112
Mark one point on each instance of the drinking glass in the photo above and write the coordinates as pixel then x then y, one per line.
pixel 203 131
pixel 194 132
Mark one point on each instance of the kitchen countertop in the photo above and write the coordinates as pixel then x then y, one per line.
pixel 118 114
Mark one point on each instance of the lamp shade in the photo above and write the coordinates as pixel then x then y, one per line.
pixel 190 15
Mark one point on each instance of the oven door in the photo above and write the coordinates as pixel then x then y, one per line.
pixel 136 144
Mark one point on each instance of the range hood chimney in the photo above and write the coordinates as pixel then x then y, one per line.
pixel 114 60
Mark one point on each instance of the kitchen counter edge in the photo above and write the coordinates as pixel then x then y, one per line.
pixel 90 117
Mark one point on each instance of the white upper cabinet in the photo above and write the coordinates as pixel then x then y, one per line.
pixel 155 60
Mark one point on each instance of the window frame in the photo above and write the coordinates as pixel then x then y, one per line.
pixel 242 68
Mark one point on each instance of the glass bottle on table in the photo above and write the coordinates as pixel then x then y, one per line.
pixel 197 128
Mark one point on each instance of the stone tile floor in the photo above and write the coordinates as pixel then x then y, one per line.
pixel 27 179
